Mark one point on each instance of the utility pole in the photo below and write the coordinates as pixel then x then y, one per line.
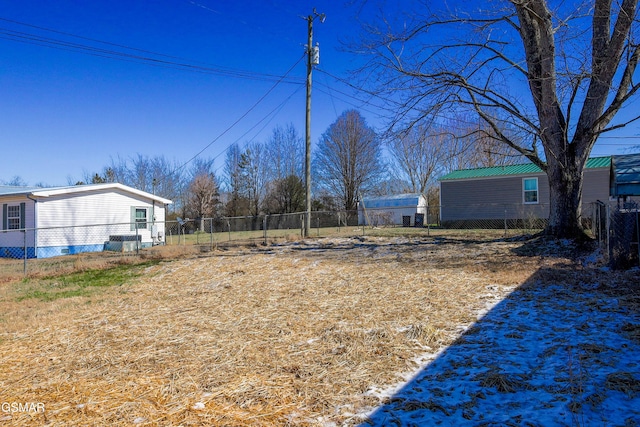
pixel 313 57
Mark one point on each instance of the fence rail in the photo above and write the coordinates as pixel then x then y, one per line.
pixel 21 248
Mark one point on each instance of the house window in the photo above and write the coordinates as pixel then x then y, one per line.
pixel 141 217
pixel 530 190
pixel 13 217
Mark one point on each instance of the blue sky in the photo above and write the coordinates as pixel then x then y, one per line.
pixel 64 113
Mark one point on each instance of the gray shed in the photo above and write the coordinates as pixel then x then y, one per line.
pixel 625 175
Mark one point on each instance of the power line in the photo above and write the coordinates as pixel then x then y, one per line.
pixel 241 19
pixel 362 90
pixel 620 137
pixel 241 117
pixel 127 53
pixel 271 115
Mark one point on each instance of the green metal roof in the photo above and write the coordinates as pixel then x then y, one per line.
pixel 521 169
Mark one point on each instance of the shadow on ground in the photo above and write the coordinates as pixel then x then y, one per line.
pixel 563 349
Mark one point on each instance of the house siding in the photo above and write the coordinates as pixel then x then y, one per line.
pixel 81 215
pixel 69 223
pixel 108 207
pixel 595 186
pixel 501 198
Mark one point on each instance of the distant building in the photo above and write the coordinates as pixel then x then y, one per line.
pixel 401 209
pixel 494 195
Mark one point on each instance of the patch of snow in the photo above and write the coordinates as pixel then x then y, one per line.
pixel 546 355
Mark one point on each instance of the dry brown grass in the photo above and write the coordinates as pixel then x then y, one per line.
pixel 289 334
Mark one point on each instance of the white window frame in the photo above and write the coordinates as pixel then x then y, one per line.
pixel 141 223
pixel 13 221
pixel 525 191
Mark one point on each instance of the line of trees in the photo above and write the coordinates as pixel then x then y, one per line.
pixel 350 160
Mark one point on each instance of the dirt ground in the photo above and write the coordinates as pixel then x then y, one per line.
pixel 302 333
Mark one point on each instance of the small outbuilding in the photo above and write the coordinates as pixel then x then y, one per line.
pixel 46 222
pixel 401 209
pixel 493 195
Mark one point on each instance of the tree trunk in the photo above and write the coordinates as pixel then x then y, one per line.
pixel 565 210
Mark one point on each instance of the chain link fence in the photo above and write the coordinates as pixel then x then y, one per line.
pixel 45 247
pixel 20 250
pixel 263 229
pixel 616 226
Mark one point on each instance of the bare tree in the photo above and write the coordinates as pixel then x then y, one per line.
pixel 236 203
pixel 348 159
pixel 202 200
pixel 418 153
pixel 253 176
pixel 152 174
pixel 470 146
pixel 16 181
pixel 285 153
pixel 422 151
pixel 559 76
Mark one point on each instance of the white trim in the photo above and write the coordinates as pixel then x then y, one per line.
pixel 8 218
pixel 48 192
pixel 524 201
pixel 139 224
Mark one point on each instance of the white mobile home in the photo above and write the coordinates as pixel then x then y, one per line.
pixel 45 222
pixel 400 209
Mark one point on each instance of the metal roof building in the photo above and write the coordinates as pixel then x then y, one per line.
pixel 393 210
pixel 518 193
pixel 520 169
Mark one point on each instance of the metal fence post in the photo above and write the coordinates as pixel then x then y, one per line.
pixel 505 222
pixel 25 251
pixel 638 234
pixel 608 227
pixel 137 244
pixel 264 229
pixel 211 232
